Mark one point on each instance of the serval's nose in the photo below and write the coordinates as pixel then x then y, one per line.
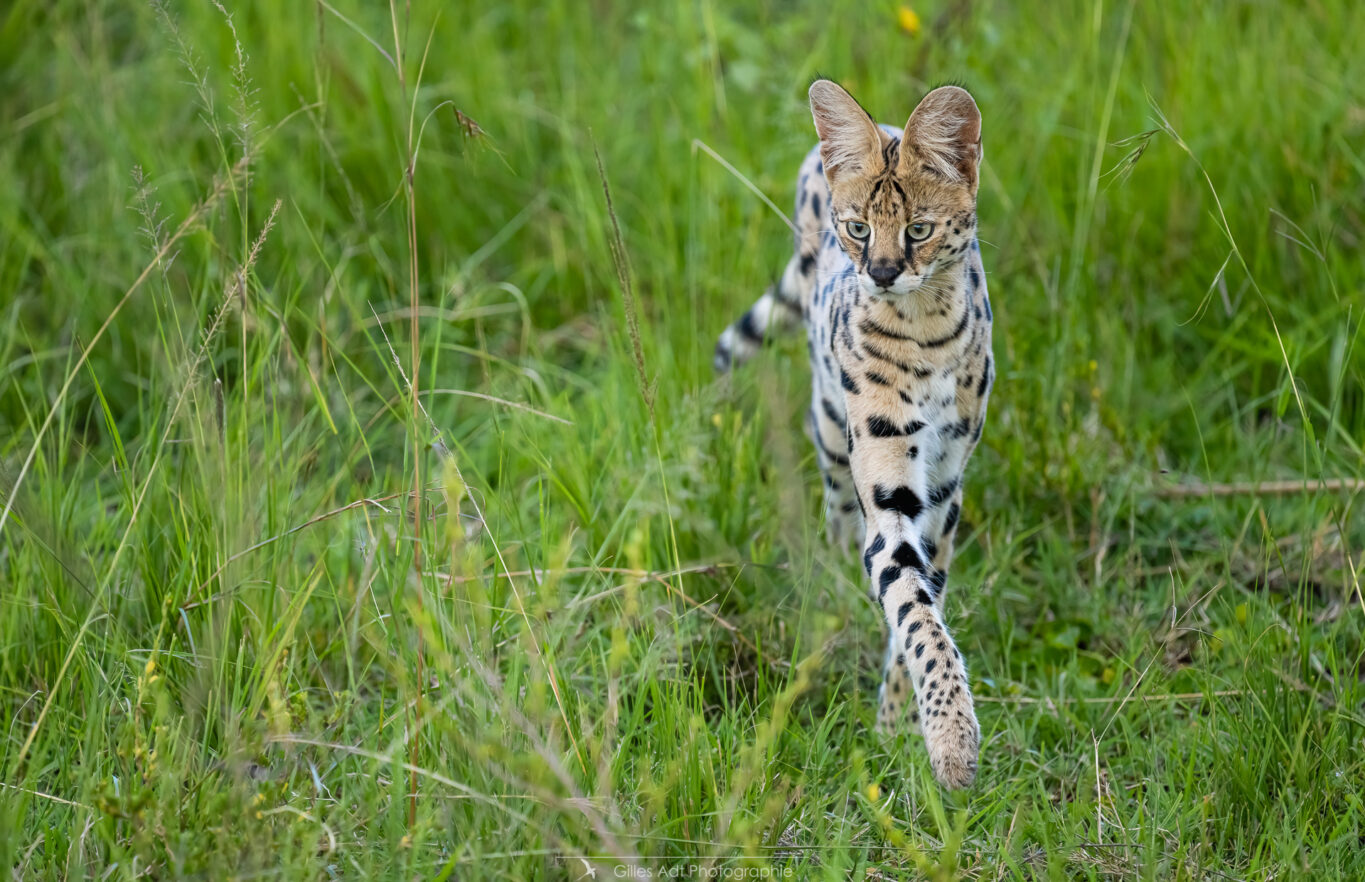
pixel 884 274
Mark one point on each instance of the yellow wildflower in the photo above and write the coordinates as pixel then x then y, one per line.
pixel 908 20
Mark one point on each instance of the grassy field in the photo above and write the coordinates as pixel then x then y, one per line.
pixel 350 531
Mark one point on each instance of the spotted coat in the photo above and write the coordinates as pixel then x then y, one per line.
pixel 888 278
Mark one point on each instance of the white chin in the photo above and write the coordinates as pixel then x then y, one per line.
pixel 901 287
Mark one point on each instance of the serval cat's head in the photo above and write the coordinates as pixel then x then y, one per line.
pixel 903 208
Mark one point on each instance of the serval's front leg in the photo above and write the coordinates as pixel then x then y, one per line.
pixel 899 553
pixel 939 535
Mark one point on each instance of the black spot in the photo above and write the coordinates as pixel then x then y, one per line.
pixel 919 650
pixel 876 378
pixel 833 456
pixel 876 188
pixel 868 326
pixel 889 575
pixel 985 379
pixel 748 327
pixel 942 646
pixel 974 277
pixel 903 612
pixel 907 556
pixel 901 499
pixel 891 152
pixel 922 597
pixel 938 578
pixel 881 427
pixel 951 336
pixel 942 493
pixel 807 264
pixel 848 508
pixel 930 549
pixel 929 666
pixel 872 551
pixel 832 412
pixel 950 522
pixel 882 355
pixel 913 452
pixel 847 382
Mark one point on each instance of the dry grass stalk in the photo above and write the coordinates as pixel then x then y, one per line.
pixel 1261 488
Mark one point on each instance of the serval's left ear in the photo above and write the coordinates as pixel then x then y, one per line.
pixel 944 134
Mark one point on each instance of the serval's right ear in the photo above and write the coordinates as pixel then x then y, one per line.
pixel 944 137
pixel 850 142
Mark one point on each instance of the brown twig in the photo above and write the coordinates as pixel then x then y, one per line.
pixel 1116 699
pixel 1260 488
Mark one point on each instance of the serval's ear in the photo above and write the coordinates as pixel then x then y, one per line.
pixel 944 136
pixel 850 142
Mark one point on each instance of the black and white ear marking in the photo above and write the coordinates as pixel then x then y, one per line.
pixel 850 141
pixel 944 134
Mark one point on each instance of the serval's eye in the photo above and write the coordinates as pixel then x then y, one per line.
pixel 920 231
pixel 858 229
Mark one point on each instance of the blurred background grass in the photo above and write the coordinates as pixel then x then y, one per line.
pixel 226 649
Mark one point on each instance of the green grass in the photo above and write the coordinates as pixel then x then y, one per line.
pixel 227 649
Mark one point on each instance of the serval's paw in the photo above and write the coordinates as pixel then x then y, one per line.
pixel 953 739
